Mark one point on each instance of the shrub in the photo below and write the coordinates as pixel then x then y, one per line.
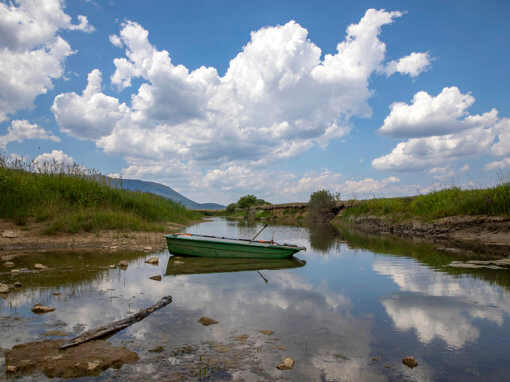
pixel 320 204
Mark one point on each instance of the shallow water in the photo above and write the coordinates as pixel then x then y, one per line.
pixel 358 306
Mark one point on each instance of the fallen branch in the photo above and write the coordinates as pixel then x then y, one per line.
pixel 114 327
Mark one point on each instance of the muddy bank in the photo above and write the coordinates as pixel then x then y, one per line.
pixel 473 231
pixel 46 358
pixel 28 238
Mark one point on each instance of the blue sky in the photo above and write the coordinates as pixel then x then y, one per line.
pixel 275 98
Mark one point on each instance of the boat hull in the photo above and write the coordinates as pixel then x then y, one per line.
pixel 209 248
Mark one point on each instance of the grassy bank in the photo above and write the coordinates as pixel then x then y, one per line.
pixel 74 203
pixel 438 204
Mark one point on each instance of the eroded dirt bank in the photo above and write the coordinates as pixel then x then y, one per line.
pixel 481 231
pixel 29 238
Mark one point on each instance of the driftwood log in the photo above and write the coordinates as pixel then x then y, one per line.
pixel 114 327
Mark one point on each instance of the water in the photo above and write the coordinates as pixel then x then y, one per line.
pixel 358 306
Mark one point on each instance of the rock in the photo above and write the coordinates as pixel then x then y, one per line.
pixel 17 284
pixel 4 295
pixel 410 362
pixel 40 267
pixel 178 262
pixel 112 266
pixel 8 264
pixel 157 349
pixel 56 293
pixel 11 369
pixel 39 309
pixel 266 332
pixel 206 321
pixel 287 364
pixel 157 277
pixel 9 234
pixel 123 263
pixel 147 248
pixel 93 365
pixel 14 271
pixel 4 288
pixel 60 333
pixel 152 260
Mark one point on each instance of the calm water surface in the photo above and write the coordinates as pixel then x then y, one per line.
pixel 358 306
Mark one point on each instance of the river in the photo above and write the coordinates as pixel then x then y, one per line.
pixel 357 307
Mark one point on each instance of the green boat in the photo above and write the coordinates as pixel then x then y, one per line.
pixel 188 244
pixel 198 265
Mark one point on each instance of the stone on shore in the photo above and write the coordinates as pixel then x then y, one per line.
pixel 40 267
pixel 17 284
pixel 4 288
pixel 14 271
pixel 112 266
pixel 152 260
pixel 123 263
pixel 266 332
pixel 206 321
pixel 410 362
pixel 286 364
pixel 157 277
pixel 8 264
pixel 40 309
pixel 9 234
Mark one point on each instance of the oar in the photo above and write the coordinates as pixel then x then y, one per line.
pixel 254 237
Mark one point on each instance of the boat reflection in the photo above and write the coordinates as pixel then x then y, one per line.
pixel 190 265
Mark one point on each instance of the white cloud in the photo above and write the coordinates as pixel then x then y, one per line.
pixel 54 162
pixel 413 65
pixel 504 163
pixel 502 146
pixel 429 116
pixel 31 52
pixel 21 130
pixel 91 115
pixel 442 132
pixel 276 100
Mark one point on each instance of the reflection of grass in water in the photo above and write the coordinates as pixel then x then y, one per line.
pixel 70 269
pixel 425 253
pixel 323 237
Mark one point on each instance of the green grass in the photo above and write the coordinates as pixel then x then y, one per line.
pixel 75 203
pixel 448 202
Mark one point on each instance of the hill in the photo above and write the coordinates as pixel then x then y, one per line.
pixel 164 191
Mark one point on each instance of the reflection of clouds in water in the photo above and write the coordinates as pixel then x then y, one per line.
pixel 413 277
pixel 433 317
pixel 446 305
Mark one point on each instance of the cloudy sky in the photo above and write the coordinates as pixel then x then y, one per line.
pixel 274 98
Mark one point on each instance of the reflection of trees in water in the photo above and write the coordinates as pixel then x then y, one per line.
pixel 323 237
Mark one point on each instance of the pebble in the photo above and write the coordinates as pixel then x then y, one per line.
pixel 8 264
pixel 111 266
pixel 14 271
pixel 266 332
pixel 157 277
pixel 40 267
pixel 11 369
pixel 123 263
pixel 4 288
pixel 38 308
pixel 9 234
pixel 410 362
pixel 152 260
pixel 287 364
pixel 17 284
pixel 206 321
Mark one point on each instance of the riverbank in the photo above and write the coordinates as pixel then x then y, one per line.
pixel 491 231
pixel 14 238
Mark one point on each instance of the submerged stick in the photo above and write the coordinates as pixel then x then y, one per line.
pixel 114 327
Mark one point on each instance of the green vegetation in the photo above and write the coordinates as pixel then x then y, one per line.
pixel 448 202
pixel 320 204
pixel 71 201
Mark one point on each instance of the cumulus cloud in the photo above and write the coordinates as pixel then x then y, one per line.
pixel 31 52
pixel 276 100
pixel 21 130
pixel 54 162
pixel 412 65
pixel 90 115
pixel 441 132
pixel 498 165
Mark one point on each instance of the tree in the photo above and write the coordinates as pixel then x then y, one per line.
pixel 231 208
pixel 247 201
pixel 321 203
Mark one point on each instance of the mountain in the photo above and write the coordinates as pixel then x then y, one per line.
pixel 164 191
